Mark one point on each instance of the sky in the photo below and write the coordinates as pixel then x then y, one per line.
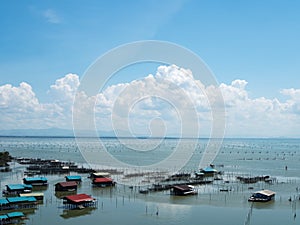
pixel 252 48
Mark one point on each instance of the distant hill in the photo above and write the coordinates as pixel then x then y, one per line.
pixel 57 132
pixel 54 132
pixel 37 132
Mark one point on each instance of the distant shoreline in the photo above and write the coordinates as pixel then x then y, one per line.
pixel 149 138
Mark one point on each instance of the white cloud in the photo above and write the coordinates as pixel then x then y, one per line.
pixel 260 116
pixel 171 94
pixel 293 104
pixel 17 98
pixel 64 89
pixel 19 107
pixel 51 16
pixel 136 106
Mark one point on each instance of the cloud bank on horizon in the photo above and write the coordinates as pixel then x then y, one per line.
pixel 20 108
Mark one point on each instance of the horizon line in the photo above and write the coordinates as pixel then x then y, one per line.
pixel 137 137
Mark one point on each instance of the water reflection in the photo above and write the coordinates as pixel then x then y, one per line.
pixel 62 194
pixel 124 204
pixel 67 214
pixel 264 205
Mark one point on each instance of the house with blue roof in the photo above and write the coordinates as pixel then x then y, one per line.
pixel 4 204
pixel 209 171
pixel 36 181
pixel 74 178
pixel 17 203
pixel 12 218
pixel 15 189
pixel 18 200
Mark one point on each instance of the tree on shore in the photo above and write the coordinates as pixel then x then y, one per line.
pixel 4 158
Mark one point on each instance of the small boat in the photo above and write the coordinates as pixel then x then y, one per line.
pixel 143 191
pixel 80 207
pixel 224 190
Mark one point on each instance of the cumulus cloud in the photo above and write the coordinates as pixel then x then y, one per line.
pixel 64 89
pixel 22 96
pixel 292 105
pixel 19 107
pixel 260 116
pixel 234 94
pixel 159 101
pixel 171 94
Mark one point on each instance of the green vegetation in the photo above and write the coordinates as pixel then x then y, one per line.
pixel 4 158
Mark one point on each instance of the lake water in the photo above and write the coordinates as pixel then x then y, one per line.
pixel 124 205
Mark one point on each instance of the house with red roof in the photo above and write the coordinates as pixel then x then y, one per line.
pixel 79 201
pixel 103 182
pixel 66 186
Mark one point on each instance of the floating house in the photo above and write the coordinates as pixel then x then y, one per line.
pixel 4 219
pixel 262 196
pixel 179 176
pixel 252 180
pixel 15 215
pixel 11 218
pixel 18 203
pixel 74 178
pixel 36 181
pixel 103 182
pixel 66 186
pixel 209 171
pixel 4 204
pixel 182 190
pixel 15 189
pixel 99 175
pixel 22 202
pixel 79 201
pixel 37 195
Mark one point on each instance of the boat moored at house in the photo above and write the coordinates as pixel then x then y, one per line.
pixel 199 175
pixel 37 195
pixel 99 175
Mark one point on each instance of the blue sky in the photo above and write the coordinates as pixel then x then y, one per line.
pixel 256 41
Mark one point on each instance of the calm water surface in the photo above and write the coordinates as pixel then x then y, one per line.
pixel 122 205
